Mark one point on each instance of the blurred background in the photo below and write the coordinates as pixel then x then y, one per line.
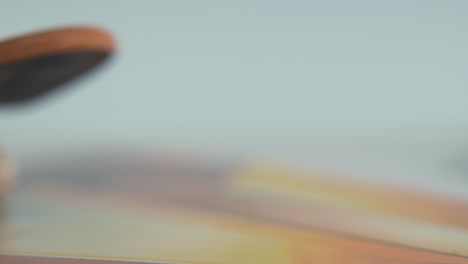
pixel 375 90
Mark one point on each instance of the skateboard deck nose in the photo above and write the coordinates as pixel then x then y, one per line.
pixel 37 63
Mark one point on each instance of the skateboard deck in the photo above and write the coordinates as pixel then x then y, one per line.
pixel 34 64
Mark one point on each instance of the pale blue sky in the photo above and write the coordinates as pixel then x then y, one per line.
pixel 324 82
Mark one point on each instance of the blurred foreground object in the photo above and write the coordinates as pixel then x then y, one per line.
pixel 34 64
pixel 156 207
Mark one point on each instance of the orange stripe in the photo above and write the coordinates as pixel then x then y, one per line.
pixel 55 41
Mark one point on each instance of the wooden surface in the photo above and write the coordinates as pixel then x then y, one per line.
pixel 36 63
pixel 182 210
pixel 42 260
pixel 55 41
